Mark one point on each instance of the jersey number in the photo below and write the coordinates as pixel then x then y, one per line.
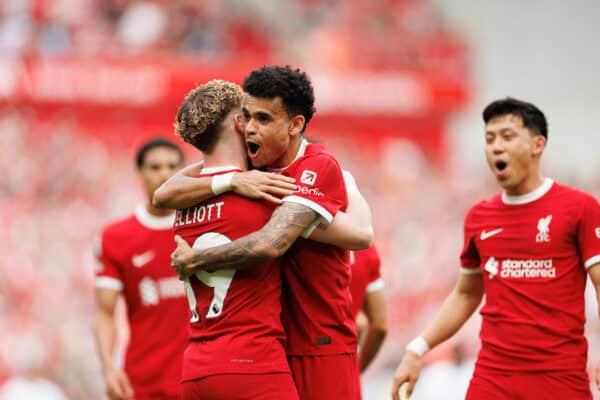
pixel 220 280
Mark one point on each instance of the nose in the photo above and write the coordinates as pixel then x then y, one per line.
pixel 250 128
pixel 497 146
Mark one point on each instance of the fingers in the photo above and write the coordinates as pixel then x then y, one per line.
pixel 271 198
pixel 180 241
pixel 126 387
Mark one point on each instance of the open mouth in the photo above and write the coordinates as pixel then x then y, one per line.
pixel 252 148
pixel 500 165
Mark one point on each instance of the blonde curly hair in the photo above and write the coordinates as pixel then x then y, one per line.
pixel 203 110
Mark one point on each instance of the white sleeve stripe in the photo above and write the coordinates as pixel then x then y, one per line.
pixel 470 271
pixel 591 261
pixel 311 204
pixel 375 286
pixel 106 282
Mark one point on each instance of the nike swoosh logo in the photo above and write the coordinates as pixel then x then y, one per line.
pixel 142 259
pixel 487 235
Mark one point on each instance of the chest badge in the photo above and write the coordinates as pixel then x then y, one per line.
pixel 543 227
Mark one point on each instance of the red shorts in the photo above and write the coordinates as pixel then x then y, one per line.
pixel 279 386
pixel 326 377
pixel 486 385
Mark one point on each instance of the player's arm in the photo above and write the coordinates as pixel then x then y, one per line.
pixel 374 310
pixel 353 229
pixel 117 383
pixel 185 189
pixel 287 223
pixel 455 311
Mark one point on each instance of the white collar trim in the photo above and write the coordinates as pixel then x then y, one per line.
pixel 214 170
pixel 529 197
pixel 301 150
pixel 151 221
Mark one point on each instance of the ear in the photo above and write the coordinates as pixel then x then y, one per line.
pixel 296 125
pixel 539 142
pixel 238 124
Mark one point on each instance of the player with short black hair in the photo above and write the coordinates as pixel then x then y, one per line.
pixel 133 261
pixel 529 249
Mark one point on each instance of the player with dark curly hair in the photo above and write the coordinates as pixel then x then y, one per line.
pixel 317 315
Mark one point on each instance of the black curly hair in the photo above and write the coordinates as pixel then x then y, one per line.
pixel 292 85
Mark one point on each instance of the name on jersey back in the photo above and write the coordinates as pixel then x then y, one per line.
pixel 199 214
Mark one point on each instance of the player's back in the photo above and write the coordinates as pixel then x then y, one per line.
pixel 533 253
pixel 317 300
pixel 134 258
pixel 238 329
pixel 366 276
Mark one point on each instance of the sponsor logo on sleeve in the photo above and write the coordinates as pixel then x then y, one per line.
pixel 308 177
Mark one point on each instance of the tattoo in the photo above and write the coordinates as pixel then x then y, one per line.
pixel 286 224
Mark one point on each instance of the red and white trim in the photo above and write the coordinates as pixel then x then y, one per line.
pixel 375 286
pixel 529 197
pixel 592 261
pixel 326 215
pixel 470 271
pixel 151 221
pixel 106 282
pixel 301 150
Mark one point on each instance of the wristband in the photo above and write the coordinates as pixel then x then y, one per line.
pixel 418 346
pixel 221 183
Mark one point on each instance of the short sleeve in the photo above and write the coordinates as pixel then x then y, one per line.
pixel 375 279
pixel 588 232
pixel 107 274
pixel 320 185
pixel 469 256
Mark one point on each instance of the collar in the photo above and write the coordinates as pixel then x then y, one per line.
pixel 152 221
pixel 301 150
pixel 529 197
pixel 215 170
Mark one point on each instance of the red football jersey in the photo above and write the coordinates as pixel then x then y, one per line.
pixel 533 251
pixel 237 323
pixel 366 276
pixel 135 257
pixel 317 301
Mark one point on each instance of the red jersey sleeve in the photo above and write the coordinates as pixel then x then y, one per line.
pixel 320 185
pixel 108 273
pixel 469 256
pixel 588 233
pixel 375 279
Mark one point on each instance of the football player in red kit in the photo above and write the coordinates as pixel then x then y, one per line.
pixel 317 315
pixel 529 249
pixel 134 261
pixel 368 303
pixel 236 345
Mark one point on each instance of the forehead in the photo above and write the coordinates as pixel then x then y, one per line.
pixel 260 104
pixel 162 154
pixel 504 122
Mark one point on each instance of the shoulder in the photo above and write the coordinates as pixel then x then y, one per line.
pixel 119 229
pixel 571 193
pixel 318 155
pixel 479 209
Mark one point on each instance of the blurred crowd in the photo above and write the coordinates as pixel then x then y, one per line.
pixel 333 33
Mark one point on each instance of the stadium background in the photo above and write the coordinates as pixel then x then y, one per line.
pixel 399 84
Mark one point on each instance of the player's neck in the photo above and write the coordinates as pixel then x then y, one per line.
pixel 157 212
pixel 528 185
pixel 290 154
pixel 228 151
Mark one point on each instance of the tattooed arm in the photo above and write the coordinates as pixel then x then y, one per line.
pixel 286 224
